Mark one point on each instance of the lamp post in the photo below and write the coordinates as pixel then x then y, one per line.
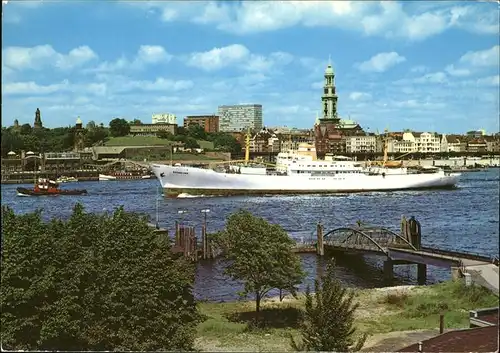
pixel 183 212
pixel 205 211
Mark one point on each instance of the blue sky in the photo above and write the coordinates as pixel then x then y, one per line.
pixel 417 65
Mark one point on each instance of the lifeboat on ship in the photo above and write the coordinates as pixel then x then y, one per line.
pixel 47 187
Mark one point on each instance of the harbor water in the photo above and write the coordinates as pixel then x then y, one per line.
pixel 464 219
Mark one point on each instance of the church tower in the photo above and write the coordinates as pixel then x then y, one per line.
pixel 79 137
pixel 329 97
pixel 38 119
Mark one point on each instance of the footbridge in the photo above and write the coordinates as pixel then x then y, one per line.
pixel 403 248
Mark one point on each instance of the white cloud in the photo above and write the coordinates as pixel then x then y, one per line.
pixel 146 55
pixel 419 69
pixel 488 57
pixel 33 88
pixel 385 18
pixel 435 77
pixel 218 58
pixel 40 56
pixel 358 96
pixel 489 81
pixel 238 54
pixel 160 84
pixel 381 62
pixel 453 71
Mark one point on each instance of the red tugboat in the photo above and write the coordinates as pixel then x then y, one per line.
pixel 46 187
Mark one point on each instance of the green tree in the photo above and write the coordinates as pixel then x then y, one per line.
pixel 328 319
pixel 167 135
pixel 119 127
pixel 225 142
pixel 260 255
pixel 191 143
pixel 94 282
pixel 196 131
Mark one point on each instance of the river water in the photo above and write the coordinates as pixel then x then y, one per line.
pixel 466 219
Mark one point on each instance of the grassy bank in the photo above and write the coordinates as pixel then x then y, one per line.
pixel 385 314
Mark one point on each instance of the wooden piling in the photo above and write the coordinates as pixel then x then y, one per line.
pixel 441 323
pixel 320 247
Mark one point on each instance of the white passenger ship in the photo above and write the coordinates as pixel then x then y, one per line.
pixel 298 172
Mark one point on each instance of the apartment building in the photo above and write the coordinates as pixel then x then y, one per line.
pixel 235 118
pixel 210 123
pixel 361 144
pixel 428 142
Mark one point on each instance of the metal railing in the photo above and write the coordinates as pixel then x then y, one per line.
pixel 461 254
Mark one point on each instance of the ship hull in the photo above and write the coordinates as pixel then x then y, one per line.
pixel 195 181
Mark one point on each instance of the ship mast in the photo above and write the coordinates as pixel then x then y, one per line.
pixel 247 146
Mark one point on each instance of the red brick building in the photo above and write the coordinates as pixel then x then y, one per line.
pixel 209 122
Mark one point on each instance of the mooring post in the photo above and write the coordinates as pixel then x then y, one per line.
pixel 177 235
pixel 320 247
pixel 388 270
pixel 441 323
pixel 421 274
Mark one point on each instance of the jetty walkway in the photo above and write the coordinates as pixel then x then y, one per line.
pixel 403 248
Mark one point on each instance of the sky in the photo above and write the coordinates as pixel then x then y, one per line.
pixel 424 66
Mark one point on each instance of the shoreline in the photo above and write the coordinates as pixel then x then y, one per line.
pixel 393 317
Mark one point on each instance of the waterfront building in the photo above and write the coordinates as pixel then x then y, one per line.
pixel 476 145
pixel 454 143
pixel 265 140
pixel 164 118
pixel 236 118
pixel 361 144
pixel 210 123
pixel 428 142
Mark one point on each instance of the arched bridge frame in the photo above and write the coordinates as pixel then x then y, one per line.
pixel 360 239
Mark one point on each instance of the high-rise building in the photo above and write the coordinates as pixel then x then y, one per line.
pixel 234 118
pixel 164 118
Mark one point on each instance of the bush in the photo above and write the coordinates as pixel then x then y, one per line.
pixel 94 282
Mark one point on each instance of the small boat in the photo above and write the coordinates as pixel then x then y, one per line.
pixel 46 187
pixel 65 179
pixel 104 177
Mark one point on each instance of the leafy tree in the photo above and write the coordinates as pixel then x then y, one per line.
pixel 94 282
pixel 136 122
pixel 260 255
pixel 119 127
pixel 191 143
pixel 196 131
pixel 167 135
pixel 26 129
pixel 225 142
pixel 328 319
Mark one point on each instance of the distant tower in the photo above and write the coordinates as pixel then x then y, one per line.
pixel 329 97
pixel 38 119
pixel 79 139
pixel 16 125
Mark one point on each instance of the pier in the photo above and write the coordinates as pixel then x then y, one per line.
pixel 404 248
pixel 397 248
